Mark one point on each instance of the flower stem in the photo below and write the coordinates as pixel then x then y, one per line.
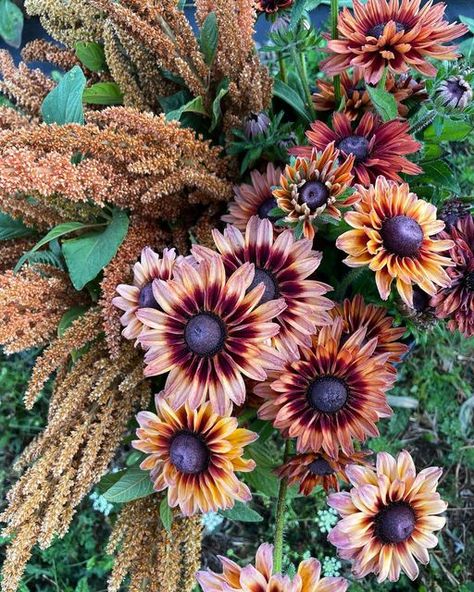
pixel 280 519
pixel 334 35
pixel 300 63
pixel 281 63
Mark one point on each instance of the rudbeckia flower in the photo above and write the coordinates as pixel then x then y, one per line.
pixel 283 265
pixel 210 331
pixel 271 6
pixel 388 517
pixel 194 456
pixel 398 34
pixel 394 235
pixel 378 148
pixel 334 394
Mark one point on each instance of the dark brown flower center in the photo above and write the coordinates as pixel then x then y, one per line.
pixel 395 523
pixel 402 236
pixel 321 467
pixel 356 145
pixel 469 281
pixel 146 298
pixel 266 207
pixel 327 394
pixel 205 334
pixel 189 453
pixel 421 300
pixel 314 194
pixel 265 277
pixel 377 30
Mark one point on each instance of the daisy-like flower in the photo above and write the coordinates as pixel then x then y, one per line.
pixel 398 34
pixel 312 185
pixel 388 517
pixel 271 6
pixel 356 314
pixel 210 330
pixel 456 302
pixel 378 148
pixel 311 469
pixel 283 265
pixel 334 394
pixel 455 92
pixel 356 98
pixel 194 455
pixel 260 578
pixel 254 199
pixel 256 124
pixel 393 236
pixel 140 295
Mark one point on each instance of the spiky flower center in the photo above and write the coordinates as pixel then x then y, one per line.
pixel 356 145
pixel 314 194
pixel 321 467
pixel 265 277
pixel 402 236
pixel 205 334
pixel 189 454
pixel 377 30
pixel 469 281
pixel 327 394
pixel 146 298
pixel 395 523
pixel 266 207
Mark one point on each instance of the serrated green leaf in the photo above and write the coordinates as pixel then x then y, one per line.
pixel 133 484
pixel 87 255
pixel 196 105
pixel 12 228
pixel 241 513
pixel 291 98
pixel 449 131
pixel 222 90
pixel 11 23
pixel 108 480
pixel 263 480
pixel 103 93
pixel 166 514
pixel 69 317
pixel 92 55
pixel 209 38
pixel 383 101
pixel 64 103
pixel 438 173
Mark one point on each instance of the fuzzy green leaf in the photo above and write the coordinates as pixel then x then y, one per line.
pixel 92 55
pixel 450 131
pixel 103 93
pixel 383 101
pixel 133 484
pixel 194 106
pixel 11 23
pixel 241 513
pixel 166 514
pixel 263 480
pixel 222 90
pixel 69 317
pixel 291 98
pixel 11 228
pixel 64 103
pixel 209 38
pixel 438 173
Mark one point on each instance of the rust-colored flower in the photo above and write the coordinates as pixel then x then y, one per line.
pixel 194 455
pixel 393 236
pixel 398 34
pixel 311 469
pixel 356 98
pixel 262 579
pixel 272 5
pixel 456 301
pixel 283 265
pixel 255 198
pixel 356 314
pixel 334 394
pixel 210 330
pixel 314 185
pixel 378 148
pixel 388 517
pixel 140 294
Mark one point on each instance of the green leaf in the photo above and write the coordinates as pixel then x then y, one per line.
pixel 209 38
pixel 241 513
pixel 11 23
pixel 87 255
pixel 69 317
pixel 11 228
pixel 467 21
pixel 450 131
pixel 166 514
pixel 438 173
pixel 92 55
pixel 108 480
pixel 103 93
pixel 196 105
pixel 53 234
pixel 263 480
pixel 131 485
pixel 64 103
pixel 383 101
pixel 297 11
pixel 291 98
pixel 222 90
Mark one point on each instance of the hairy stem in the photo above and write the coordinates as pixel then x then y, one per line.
pixel 280 519
pixel 334 35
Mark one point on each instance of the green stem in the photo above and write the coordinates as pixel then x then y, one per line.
pixel 300 63
pixel 334 35
pixel 280 519
pixel 281 63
